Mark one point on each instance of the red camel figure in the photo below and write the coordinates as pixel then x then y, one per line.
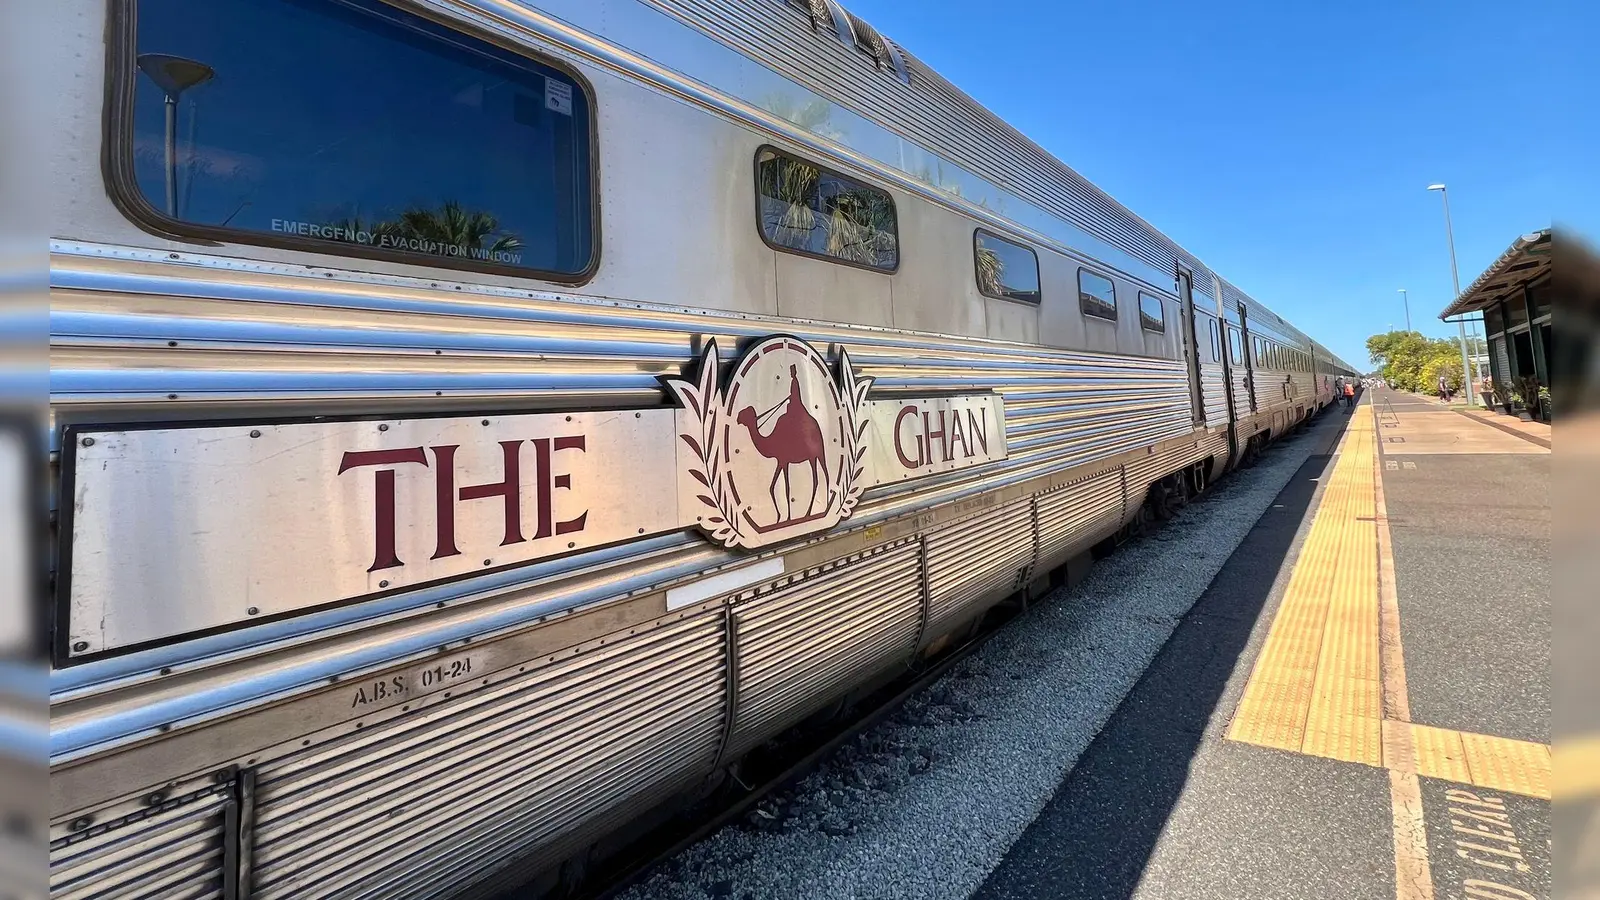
pixel 796 438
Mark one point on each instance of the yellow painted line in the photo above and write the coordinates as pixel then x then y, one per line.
pixel 1413 875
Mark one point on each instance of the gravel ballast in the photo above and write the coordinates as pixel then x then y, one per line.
pixel 926 804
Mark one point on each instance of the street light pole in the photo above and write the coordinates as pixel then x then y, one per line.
pixel 1407 301
pixel 1455 278
pixel 174 75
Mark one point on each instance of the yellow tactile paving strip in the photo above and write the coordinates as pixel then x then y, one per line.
pixel 1316 687
pixel 1318 684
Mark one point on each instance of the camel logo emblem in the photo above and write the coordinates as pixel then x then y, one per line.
pixel 779 451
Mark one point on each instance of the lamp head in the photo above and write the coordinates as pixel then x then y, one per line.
pixel 1436 187
pixel 174 74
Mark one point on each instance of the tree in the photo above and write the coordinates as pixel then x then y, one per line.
pixel 1411 362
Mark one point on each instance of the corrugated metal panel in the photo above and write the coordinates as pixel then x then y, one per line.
pixel 931 112
pixel 175 852
pixel 1242 401
pixel 1214 393
pixel 1305 387
pixel 426 804
pixel 1502 360
pixel 806 642
pixel 1072 517
pixel 980 558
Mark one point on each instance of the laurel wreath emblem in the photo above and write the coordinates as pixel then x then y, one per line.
pixel 706 403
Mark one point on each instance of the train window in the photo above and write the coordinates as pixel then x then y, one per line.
pixel 1235 347
pixel 1005 270
pixel 395 137
pixel 1152 313
pixel 806 209
pixel 1097 296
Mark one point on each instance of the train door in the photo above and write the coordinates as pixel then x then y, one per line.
pixel 1191 348
pixel 1239 349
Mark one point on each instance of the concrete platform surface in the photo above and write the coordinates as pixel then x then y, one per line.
pixel 1358 706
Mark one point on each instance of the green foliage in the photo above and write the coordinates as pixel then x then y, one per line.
pixel 1411 362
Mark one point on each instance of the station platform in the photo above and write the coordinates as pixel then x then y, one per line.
pixel 1359 704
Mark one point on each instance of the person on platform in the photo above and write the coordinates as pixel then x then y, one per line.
pixel 1444 389
pixel 1350 394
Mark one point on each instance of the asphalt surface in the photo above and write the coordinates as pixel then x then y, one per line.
pixel 1471 536
pixel 1162 806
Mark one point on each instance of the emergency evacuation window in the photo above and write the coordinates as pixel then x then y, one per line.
pixel 1152 313
pixel 1006 270
pixel 350 126
pixel 1097 296
pixel 807 209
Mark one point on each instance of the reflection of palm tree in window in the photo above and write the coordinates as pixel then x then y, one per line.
pixel 450 225
pixel 454 226
pixel 794 185
pixel 991 271
pixel 861 227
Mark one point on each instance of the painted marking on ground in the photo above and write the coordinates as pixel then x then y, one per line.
pixel 1330 681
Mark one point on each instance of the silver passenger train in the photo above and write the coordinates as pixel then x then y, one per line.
pixel 478 422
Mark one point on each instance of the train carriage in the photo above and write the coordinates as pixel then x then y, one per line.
pixel 479 422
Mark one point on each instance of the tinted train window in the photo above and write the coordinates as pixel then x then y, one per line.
pixel 1235 347
pixel 1152 314
pixel 381 133
pixel 1006 270
pixel 1216 341
pixel 1097 296
pixel 807 209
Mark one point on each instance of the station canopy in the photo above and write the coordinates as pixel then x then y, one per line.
pixel 1527 258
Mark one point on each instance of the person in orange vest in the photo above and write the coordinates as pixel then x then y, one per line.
pixel 1349 393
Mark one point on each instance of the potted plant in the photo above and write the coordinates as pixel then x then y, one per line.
pixel 1527 394
pixel 1545 412
pixel 1502 395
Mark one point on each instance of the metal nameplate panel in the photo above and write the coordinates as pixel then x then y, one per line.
pixel 188 529
pixel 927 436
pixel 185 530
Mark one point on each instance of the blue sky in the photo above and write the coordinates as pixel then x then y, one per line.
pixel 1290 144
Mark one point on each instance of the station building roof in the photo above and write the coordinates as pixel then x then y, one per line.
pixel 1526 259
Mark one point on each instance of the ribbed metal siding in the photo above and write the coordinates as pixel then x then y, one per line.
pixel 931 111
pixel 804 644
pixel 427 804
pixel 174 854
pixel 983 557
pixel 1502 360
pixel 1305 388
pixel 1214 393
pixel 1075 515
pixel 1138 476
pixel 1241 390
